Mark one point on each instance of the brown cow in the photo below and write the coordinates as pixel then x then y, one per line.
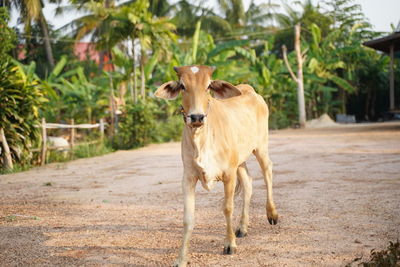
pixel 220 134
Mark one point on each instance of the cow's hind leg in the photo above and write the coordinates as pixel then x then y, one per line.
pixel 245 183
pixel 229 189
pixel 266 167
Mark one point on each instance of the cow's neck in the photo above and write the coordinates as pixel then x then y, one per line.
pixel 201 140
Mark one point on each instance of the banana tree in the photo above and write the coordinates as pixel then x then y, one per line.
pixel 322 66
pixel 82 98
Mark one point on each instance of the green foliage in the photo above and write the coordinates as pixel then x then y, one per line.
pixel 19 167
pixel 91 150
pixel 83 150
pixel 340 75
pixel 168 130
pixel 7 35
pixel 21 99
pixel 136 126
pixel 33 49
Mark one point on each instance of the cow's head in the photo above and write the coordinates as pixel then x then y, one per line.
pixel 195 84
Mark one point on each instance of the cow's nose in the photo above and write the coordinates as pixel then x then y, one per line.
pixel 197 117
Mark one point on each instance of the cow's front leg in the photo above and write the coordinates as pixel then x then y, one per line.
pixel 188 188
pixel 229 188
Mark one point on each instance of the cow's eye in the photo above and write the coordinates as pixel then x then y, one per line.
pixel 183 87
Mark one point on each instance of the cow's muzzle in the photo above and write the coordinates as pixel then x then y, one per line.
pixel 196 120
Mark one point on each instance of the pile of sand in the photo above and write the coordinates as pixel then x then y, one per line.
pixel 321 122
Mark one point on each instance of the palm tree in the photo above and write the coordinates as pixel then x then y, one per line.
pixel 308 15
pixel 95 24
pixel 185 15
pixel 241 21
pixel 135 22
pixel 32 10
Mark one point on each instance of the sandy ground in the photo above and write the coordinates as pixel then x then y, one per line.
pixel 337 192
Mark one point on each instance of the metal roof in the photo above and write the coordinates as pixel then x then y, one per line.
pixel 384 43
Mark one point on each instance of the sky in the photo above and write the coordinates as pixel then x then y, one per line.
pixel 381 13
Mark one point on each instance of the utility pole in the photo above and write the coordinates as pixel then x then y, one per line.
pixel 299 77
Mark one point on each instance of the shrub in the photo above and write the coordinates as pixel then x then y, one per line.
pixel 136 126
pixel 169 130
pixel 19 105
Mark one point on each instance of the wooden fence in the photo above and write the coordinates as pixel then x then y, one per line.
pixel 44 147
pixel 44 126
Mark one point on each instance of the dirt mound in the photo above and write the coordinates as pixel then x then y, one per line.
pixel 321 122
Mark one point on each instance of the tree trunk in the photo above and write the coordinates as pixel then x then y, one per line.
pixel 46 39
pixel 142 76
pixel 300 84
pixel 134 95
pixel 343 100
pixel 112 104
pixel 101 60
pixel 7 160
pixel 44 143
pixel 299 78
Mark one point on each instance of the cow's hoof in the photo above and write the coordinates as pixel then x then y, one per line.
pixel 273 219
pixel 229 250
pixel 240 233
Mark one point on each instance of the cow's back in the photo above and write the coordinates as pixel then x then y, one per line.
pixel 240 123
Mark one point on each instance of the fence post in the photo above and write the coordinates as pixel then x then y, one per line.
pixel 44 143
pixel 72 136
pixel 102 130
pixel 7 155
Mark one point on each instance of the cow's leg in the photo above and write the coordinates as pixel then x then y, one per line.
pixel 245 182
pixel 229 189
pixel 188 186
pixel 266 167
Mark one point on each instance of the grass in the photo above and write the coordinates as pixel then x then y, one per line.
pixel 80 151
pixel 17 168
pixel 87 151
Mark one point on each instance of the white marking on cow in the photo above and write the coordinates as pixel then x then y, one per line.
pixel 194 69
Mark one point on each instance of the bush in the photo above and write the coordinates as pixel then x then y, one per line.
pixel 279 120
pixel 169 130
pixel 19 109
pixel 136 126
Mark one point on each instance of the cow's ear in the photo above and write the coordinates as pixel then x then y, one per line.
pixel 223 89
pixel 169 90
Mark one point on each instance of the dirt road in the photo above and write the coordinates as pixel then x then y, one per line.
pixel 337 191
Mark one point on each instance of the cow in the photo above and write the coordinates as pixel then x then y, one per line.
pixel 224 125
